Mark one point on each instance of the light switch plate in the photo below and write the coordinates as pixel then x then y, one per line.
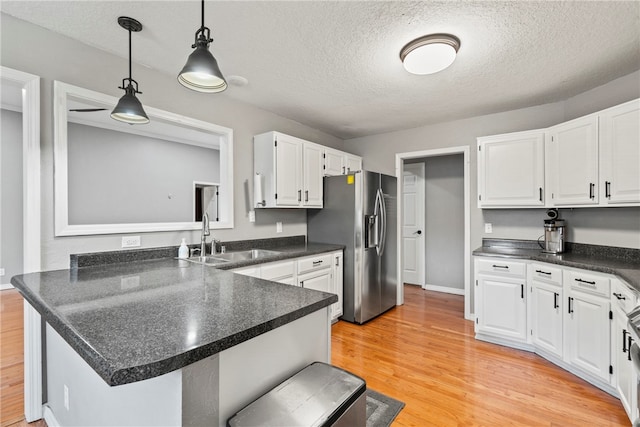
pixel 1 272
pixel 252 216
pixel 488 228
pixel 278 227
pixel 130 241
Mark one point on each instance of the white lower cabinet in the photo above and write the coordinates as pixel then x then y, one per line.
pixel 501 306
pixel 323 272
pixel 546 308
pixel 623 301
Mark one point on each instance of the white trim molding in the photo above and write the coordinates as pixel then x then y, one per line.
pixel 464 150
pixel 444 289
pixel 31 232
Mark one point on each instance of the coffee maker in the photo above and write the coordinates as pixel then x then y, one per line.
pixel 553 233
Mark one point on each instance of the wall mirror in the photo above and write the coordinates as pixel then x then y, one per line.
pixel 112 177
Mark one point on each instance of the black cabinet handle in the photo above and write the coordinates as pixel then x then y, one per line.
pixel 302 284
pixel 306 195
pixel 585 281
pixel 619 296
pixel 570 305
pixel 624 340
pixel 299 195
pixel 500 266
pixel 555 300
pixel 592 188
pixel 522 291
pixel 540 193
pixel 629 342
pixel 337 261
pixel 317 262
pixel 607 189
pixel 543 272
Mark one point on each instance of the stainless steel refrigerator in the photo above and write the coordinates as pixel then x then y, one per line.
pixel 360 212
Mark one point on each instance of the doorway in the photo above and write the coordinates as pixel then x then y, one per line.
pixel 446 230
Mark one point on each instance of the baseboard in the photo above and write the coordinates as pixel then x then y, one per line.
pixel 48 416
pixel 444 289
pixel 6 286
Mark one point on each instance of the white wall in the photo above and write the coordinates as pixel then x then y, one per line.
pixel 11 195
pixel 55 57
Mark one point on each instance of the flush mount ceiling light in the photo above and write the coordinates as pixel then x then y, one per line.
pixel 201 72
pixel 429 54
pixel 129 108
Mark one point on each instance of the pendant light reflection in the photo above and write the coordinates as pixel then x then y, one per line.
pixel 201 72
pixel 429 54
pixel 129 108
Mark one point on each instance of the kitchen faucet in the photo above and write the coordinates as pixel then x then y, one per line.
pixel 205 233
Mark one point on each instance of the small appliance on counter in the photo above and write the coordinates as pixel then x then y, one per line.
pixel 553 233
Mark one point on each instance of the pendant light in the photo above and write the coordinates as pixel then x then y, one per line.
pixel 129 108
pixel 429 54
pixel 201 72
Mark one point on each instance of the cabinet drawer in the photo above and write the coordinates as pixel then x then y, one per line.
pixel 314 263
pixel 623 296
pixel 277 270
pixel 546 273
pixel 501 267
pixel 586 282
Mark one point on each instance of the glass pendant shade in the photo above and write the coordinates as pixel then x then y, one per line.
pixel 201 72
pixel 129 109
pixel 430 54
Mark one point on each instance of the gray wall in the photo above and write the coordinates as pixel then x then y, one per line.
pixel 56 57
pixel 444 221
pixel 603 226
pixel 118 178
pixel 11 195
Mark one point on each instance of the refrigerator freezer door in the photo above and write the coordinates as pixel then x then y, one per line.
pixel 388 260
pixel 369 288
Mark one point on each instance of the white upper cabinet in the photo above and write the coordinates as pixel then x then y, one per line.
pixel 589 161
pixel 312 175
pixel 511 170
pixel 289 171
pixel 338 162
pixel 620 154
pixel 573 162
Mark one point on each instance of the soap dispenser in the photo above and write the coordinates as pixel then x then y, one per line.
pixel 183 251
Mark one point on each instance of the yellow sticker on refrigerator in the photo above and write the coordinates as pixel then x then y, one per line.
pixel 351 179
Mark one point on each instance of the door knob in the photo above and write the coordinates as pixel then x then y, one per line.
pixel 418 232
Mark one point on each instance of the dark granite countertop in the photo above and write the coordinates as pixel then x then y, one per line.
pixel 136 320
pixel 622 262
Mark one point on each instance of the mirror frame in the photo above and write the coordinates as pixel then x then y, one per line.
pixel 60 157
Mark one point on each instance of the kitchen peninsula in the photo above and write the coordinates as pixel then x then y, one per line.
pixel 168 341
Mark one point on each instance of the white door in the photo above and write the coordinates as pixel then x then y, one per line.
pixel 587 334
pixel 574 162
pixel 546 327
pixel 312 176
pixel 413 224
pixel 288 173
pixel 620 153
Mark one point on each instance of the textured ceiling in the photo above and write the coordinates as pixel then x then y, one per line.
pixel 334 65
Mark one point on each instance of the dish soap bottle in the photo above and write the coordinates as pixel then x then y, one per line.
pixel 183 250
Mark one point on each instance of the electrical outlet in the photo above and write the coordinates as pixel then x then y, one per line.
pixel 66 397
pixel 1 272
pixel 488 228
pixel 278 227
pixel 130 241
pixel 252 216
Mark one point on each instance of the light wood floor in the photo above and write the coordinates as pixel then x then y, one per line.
pixel 424 354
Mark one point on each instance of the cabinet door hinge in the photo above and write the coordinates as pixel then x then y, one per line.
pixel 610 315
pixel 531 332
pixel 480 197
pixel 324 156
pixel 611 369
pixel 476 320
pixel 275 142
pixel 552 139
pixel 479 147
pixel 476 283
pixel 276 196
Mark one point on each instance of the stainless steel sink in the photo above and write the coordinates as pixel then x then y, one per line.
pixel 207 260
pixel 233 256
pixel 245 255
